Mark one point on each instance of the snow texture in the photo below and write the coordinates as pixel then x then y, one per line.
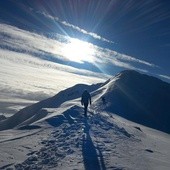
pixel 54 134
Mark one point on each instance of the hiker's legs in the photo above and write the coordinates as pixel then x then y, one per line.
pixel 85 109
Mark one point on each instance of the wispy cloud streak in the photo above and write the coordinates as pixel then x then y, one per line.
pixel 108 56
pixel 132 59
pixel 165 77
pixel 23 41
pixel 94 35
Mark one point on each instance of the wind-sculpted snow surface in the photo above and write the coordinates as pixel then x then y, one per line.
pixel 54 134
pixel 101 141
pixel 80 143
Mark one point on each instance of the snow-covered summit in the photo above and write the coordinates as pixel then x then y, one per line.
pixel 138 97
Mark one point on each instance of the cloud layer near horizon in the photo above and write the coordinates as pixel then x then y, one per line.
pixel 32 79
pixel 23 41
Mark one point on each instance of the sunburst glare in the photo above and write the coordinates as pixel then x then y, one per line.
pixel 78 51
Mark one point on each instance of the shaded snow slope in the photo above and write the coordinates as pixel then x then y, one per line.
pixel 138 97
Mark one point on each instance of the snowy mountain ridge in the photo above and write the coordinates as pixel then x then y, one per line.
pixel 53 133
pixel 37 108
pixel 134 96
pixel 140 98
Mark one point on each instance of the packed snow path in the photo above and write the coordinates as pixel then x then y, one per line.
pixel 97 142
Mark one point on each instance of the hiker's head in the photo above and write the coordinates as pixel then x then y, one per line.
pixel 85 91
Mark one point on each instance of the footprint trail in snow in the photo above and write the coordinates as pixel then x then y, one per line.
pixel 81 143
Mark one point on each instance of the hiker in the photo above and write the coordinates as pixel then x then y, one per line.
pixel 103 100
pixel 85 100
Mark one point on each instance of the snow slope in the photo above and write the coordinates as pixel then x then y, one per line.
pixel 36 111
pixel 53 134
pixel 138 97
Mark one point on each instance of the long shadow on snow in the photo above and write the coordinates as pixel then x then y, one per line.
pixel 92 159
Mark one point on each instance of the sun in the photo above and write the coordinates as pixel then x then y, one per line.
pixel 78 51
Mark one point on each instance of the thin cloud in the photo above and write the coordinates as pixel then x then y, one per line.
pixel 94 35
pixel 132 59
pixel 122 60
pixel 165 77
pixel 39 46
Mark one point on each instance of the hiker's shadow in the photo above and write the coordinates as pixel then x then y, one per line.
pixel 92 156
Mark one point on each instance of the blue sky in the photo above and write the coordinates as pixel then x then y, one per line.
pixel 125 34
